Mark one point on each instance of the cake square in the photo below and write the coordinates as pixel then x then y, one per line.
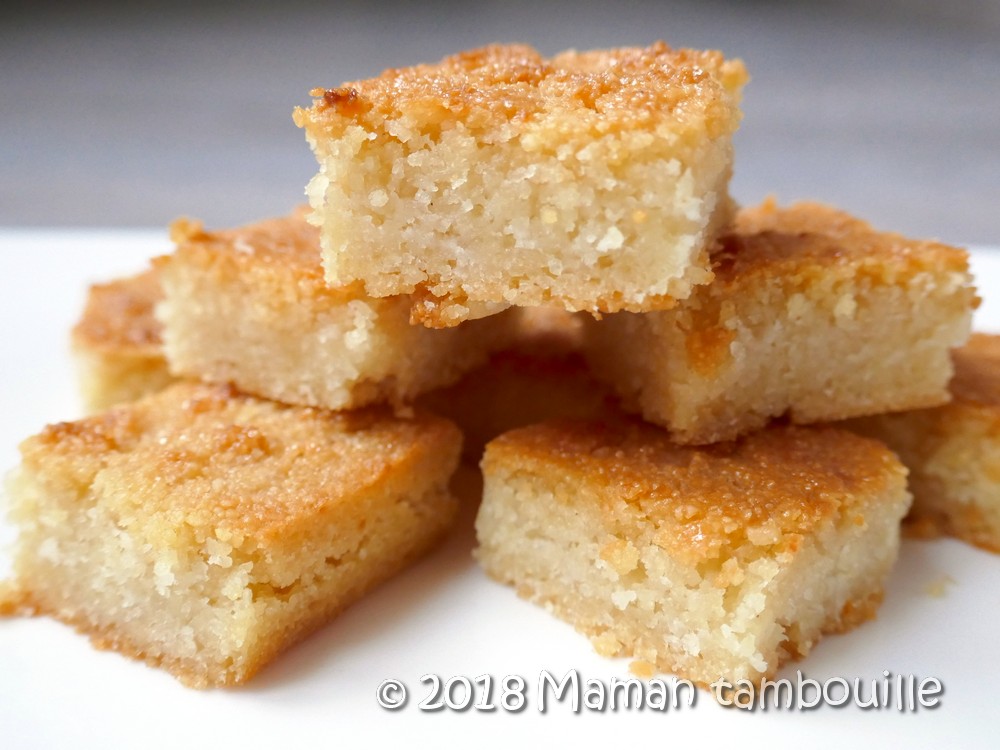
pixel 812 314
pixel 249 306
pixel 116 343
pixel 953 451
pixel 710 562
pixel 589 180
pixel 205 531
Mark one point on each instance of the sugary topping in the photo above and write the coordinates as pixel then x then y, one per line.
pixel 627 87
pixel 810 236
pixel 977 371
pixel 120 314
pixel 207 460
pixel 767 489
pixel 287 240
pixel 283 254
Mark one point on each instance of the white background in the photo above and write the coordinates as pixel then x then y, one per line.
pixel 442 616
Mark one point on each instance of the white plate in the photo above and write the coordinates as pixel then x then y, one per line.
pixel 443 616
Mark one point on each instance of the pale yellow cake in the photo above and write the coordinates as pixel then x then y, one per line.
pixel 589 180
pixel 117 345
pixel 953 451
pixel 709 562
pixel 812 314
pixel 205 531
pixel 249 306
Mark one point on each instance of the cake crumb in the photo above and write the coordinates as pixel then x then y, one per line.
pixel 606 644
pixel 938 586
pixel 642 669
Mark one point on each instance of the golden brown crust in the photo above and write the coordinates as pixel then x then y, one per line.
pixel 281 254
pixel 119 316
pixel 287 240
pixel 811 238
pixel 977 371
pixel 118 342
pixel 855 612
pixel 487 87
pixel 13 599
pixel 199 437
pixel 779 482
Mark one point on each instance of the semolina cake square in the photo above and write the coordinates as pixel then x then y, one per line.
pixel 205 531
pixel 953 451
pixel 711 562
pixel 812 314
pixel 541 376
pixel 249 306
pixel 590 181
pixel 117 345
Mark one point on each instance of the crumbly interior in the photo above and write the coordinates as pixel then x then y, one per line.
pixel 205 531
pixel 592 552
pixel 807 331
pixel 237 310
pixel 600 188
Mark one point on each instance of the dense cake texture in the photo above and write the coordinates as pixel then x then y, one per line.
pixel 205 531
pixel 709 562
pixel 117 345
pixel 250 306
pixel 590 181
pixel 812 314
pixel 953 451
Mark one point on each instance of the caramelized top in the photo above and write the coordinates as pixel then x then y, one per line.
pixel 279 252
pixel 624 88
pixel 807 238
pixel 977 371
pixel 288 240
pixel 119 315
pixel 766 489
pixel 207 460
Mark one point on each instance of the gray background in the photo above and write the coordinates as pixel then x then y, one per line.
pixel 132 114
